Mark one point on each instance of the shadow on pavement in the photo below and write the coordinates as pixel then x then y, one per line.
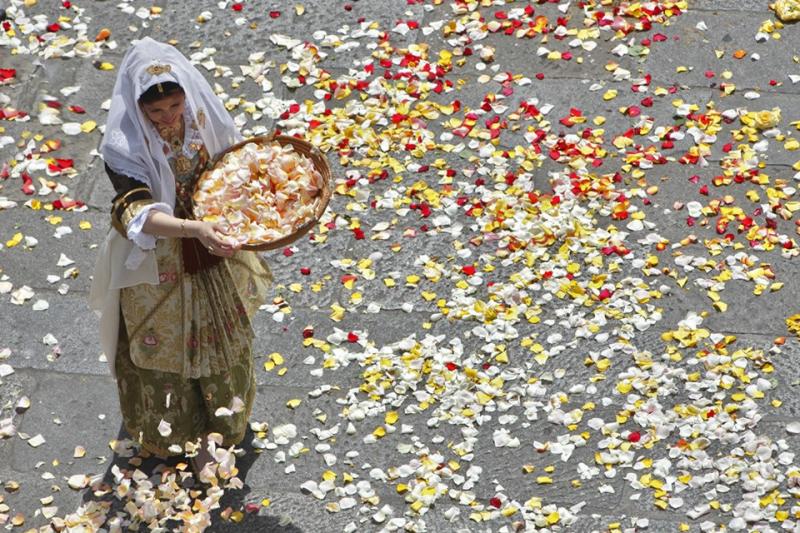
pixel 235 499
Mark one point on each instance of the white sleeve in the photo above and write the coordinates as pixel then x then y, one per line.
pixel 142 241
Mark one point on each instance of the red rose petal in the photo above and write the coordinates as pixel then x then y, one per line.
pixel 7 74
pixel 64 204
pixel 60 165
pixel 605 294
pixel 27 184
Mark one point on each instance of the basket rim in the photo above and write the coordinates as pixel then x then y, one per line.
pixel 321 164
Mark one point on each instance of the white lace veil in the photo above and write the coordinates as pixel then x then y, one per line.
pixel 130 145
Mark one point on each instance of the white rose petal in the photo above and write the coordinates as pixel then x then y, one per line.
pixel 61 231
pixel 237 405
pixel 6 370
pixel 71 128
pixel 66 91
pixel 223 411
pixel 21 295
pixel 164 428
pixel 49 117
pixel 347 503
pixel 36 441
pixel 77 482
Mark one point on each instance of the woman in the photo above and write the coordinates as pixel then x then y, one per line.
pixel 176 297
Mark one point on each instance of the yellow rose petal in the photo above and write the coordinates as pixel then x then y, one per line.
pixel 88 126
pixel 610 94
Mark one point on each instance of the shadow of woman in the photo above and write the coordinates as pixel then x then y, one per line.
pixel 236 499
pixel 103 496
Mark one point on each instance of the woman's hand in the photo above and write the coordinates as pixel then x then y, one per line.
pixel 212 236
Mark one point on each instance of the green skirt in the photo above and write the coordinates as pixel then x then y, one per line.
pixel 199 316
pixel 146 397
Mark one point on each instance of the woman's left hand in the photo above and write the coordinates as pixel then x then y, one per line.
pixel 212 236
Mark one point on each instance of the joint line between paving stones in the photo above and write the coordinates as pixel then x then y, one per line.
pixel 48 289
pixel 731 11
pixel 12 441
pixel 753 333
pixel 383 309
pixel 64 373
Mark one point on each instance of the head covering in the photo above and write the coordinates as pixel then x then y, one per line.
pixel 131 145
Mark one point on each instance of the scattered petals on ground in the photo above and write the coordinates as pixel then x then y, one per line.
pixel 514 210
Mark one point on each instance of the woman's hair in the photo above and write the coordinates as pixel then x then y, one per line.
pixel 158 91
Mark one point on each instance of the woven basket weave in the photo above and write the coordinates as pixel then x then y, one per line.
pixel 320 163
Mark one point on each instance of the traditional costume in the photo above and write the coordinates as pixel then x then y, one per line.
pixel 175 320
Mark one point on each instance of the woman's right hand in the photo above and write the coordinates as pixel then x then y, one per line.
pixel 212 236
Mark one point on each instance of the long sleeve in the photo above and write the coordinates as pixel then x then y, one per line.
pixel 130 208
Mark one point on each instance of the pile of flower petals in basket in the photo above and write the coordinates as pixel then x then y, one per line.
pixel 259 193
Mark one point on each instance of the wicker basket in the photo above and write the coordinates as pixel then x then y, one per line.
pixel 320 163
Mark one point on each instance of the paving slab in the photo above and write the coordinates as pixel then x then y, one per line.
pixel 728 31
pixel 715 6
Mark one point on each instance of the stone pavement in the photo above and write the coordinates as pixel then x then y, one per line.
pixel 550 393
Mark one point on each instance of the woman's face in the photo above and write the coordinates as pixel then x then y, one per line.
pixel 167 111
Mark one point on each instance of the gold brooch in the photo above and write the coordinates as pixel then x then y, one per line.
pixel 155 70
pixel 201 118
pixel 183 164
